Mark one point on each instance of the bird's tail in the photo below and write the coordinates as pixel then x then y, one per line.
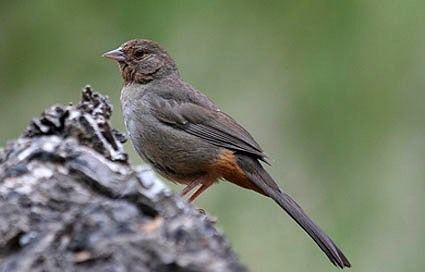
pixel 265 182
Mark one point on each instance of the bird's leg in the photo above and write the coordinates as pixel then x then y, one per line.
pixel 199 191
pixel 205 182
pixel 190 187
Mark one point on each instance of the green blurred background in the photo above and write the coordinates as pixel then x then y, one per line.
pixel 332 90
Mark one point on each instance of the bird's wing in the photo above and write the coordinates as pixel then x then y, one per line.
pixel 213 126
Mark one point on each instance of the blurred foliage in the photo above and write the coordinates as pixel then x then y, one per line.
pixel 332 90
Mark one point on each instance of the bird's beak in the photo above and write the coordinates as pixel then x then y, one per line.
pixel 116 54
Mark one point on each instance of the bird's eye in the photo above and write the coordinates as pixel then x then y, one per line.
pixel 138 54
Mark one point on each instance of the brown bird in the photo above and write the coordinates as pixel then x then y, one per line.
pixel 189 140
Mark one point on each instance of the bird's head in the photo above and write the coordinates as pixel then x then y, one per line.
pixel 142 61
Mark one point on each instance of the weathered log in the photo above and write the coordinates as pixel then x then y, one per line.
pixel 70 201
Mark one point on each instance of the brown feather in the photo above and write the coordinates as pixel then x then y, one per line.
pixel 226 166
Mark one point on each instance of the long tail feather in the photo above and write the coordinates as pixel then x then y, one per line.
pixel 265 182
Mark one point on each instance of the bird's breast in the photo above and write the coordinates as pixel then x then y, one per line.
pixel 172 151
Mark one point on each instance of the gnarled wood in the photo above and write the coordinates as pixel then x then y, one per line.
pixel 69 201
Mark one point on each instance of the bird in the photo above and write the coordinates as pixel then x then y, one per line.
pixel 187 139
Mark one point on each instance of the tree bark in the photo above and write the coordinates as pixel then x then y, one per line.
pixel 70 201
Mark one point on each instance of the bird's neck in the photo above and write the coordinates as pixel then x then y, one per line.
pixel 131 76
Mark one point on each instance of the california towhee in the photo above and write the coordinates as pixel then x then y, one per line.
pixel 189 140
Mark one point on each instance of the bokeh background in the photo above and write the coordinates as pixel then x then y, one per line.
pixel 334 91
